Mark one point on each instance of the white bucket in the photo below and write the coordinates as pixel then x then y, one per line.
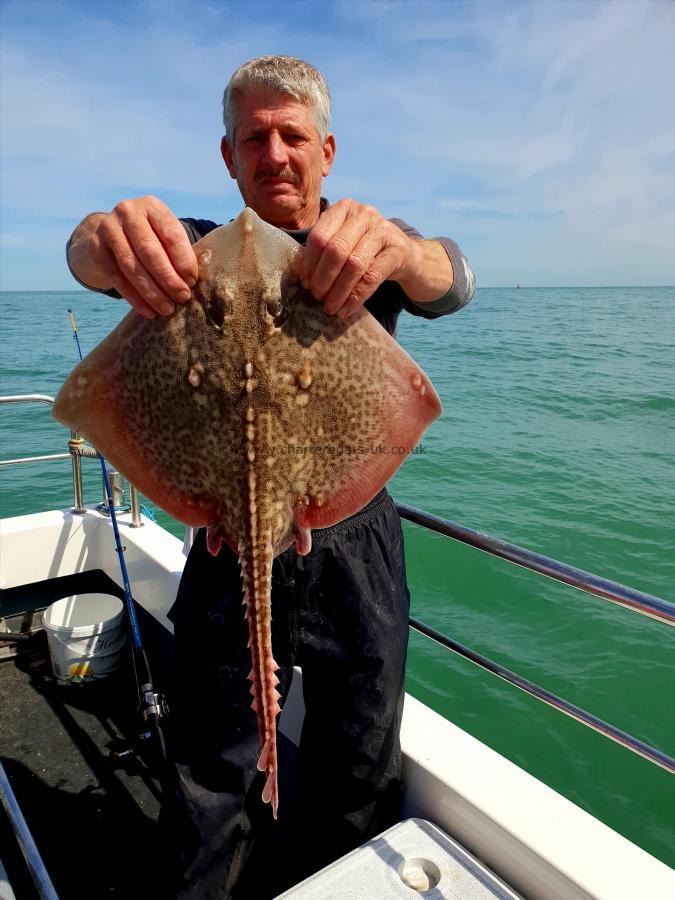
pixel 86 636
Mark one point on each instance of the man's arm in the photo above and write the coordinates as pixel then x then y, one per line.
pixel 429 274
pixel 140 250
pixel 353 249
pixel 460 290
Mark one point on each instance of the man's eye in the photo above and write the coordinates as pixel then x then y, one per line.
pixel 254 139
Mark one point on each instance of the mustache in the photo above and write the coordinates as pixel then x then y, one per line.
pixel 285 174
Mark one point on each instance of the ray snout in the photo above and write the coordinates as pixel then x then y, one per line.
pixel 247 220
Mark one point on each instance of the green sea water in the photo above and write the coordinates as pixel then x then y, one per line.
pixel 558 434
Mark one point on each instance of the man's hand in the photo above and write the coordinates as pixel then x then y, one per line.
pixel 352 249
pixel 141 250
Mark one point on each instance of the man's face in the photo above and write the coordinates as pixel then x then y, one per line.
pixel 279 159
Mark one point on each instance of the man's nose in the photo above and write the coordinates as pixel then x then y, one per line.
pixel 276 152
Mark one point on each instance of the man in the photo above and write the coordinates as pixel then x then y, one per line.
pixel 341 612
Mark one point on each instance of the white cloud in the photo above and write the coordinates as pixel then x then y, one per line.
pixel 57 126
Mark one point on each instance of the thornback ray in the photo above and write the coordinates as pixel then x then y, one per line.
pixel 253 412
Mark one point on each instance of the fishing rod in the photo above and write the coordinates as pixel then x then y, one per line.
pixel 152 705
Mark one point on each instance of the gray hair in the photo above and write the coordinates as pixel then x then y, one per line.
pixel 278 75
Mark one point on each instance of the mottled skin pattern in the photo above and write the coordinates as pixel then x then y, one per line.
pixel 253 412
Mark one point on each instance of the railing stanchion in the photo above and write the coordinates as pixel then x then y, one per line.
pixel 135 507
pixel 75 443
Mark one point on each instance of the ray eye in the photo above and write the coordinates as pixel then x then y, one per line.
pixel 278 311
pixel 274 307
pixel 217 307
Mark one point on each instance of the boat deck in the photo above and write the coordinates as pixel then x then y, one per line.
pixel 93 813
pixel 93 816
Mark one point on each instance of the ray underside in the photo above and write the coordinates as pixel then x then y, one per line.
pixel 254 413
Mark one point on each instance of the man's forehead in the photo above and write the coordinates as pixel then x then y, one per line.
pixel 259 109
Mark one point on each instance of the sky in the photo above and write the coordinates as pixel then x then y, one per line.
pixel 540 136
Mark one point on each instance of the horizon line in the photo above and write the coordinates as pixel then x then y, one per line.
pixel 490 287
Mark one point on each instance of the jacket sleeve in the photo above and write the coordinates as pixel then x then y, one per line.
pixel 463 284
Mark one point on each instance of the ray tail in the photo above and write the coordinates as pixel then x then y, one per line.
pixel 256 569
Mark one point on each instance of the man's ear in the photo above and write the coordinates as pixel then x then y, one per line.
pixel 228 155
pixel 328 154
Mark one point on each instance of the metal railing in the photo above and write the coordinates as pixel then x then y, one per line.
pixel 629 598
pixel 658 757
pixel 24 839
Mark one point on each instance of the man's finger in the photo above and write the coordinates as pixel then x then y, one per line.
pixel 319 237
pixel 350 306
pixel 153 259
pixel 380 269
pixel 117 258
pixel 130 294
pixel 338 255
pixel 177 246
pixel 356 266
pixel 140 305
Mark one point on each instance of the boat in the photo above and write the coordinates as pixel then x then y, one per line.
pixel 78 778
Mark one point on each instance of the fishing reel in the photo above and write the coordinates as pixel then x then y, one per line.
pixel 153 706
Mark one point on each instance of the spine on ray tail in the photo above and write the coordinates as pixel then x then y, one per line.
pixel 256 568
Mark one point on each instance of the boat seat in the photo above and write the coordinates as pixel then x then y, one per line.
pixel 412 856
